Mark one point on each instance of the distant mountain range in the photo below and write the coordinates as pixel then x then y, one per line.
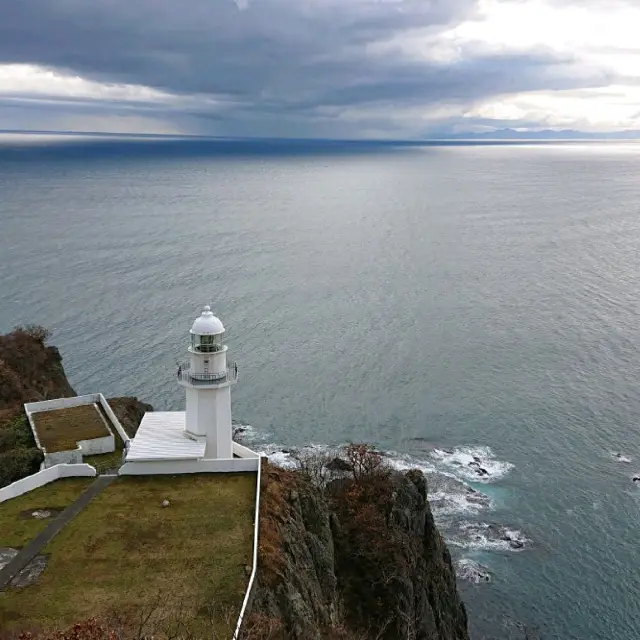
pixel 546 134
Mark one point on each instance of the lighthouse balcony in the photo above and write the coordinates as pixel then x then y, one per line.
pixel 188 377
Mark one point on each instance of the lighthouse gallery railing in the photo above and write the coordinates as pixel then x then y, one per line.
pixel 230 375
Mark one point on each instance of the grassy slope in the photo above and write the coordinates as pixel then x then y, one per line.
pixel 124 550
pixel 15 531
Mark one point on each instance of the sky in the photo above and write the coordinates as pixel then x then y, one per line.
pixel 319 68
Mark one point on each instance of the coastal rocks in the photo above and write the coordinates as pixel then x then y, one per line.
pixel 338 464
pixel 472 571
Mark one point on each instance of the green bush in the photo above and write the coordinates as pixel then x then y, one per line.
pixel 18 463
pixel 19 456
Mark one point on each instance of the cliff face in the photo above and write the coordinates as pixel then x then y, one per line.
pixel 30 370
pixel 353 558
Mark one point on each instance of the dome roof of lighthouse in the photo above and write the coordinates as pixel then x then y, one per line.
pixel 207 324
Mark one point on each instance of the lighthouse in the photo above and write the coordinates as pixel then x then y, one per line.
pixel 200 438
pixel 207 378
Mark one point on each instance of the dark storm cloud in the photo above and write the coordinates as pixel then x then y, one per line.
pixel 210 46
pixel 286 57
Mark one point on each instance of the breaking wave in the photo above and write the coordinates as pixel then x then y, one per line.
pixel 459 508
pixel 485 536
pixel 472 571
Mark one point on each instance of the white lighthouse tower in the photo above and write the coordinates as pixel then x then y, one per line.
pixel 200 439
pixel 207 378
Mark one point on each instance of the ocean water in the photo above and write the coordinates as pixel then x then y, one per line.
pixel 462 307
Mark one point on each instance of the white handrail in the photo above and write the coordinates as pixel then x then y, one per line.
pixel 254 569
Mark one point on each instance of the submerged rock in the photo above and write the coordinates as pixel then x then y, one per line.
pixel 472 571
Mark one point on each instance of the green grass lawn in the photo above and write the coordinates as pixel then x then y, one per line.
pixel 126 552
pixel 15 530
pixel 61 429
pixel 103 462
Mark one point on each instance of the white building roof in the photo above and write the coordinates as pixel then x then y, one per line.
pixel 161 436
pixel 207 324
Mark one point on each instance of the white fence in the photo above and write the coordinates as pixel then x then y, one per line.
pixel 248 596
pixel 72 456
pixel 45 477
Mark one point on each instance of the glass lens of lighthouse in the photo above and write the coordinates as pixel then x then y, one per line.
pixel 206 344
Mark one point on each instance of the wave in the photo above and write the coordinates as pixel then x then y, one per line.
pixel 472 571
pixel 619 457
pixel 487 537
pixel 455 503
pixel 473 463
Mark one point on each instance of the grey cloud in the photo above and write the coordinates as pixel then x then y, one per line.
pixel 207 45
pixel 268 59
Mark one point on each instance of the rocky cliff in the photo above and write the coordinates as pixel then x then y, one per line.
pixel 29 369
pixel 350 551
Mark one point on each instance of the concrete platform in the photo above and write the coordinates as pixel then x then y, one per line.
pixel 161 436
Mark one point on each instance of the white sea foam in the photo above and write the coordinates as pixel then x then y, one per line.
pixel 451 497
pixel 472 571
pixel 618 457
pixel 476 464
pixel 249 434
pixel 488 537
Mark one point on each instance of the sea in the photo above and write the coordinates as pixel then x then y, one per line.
pixel 472 310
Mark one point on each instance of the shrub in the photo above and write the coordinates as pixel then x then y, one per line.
pixel 19 463
pixel 37 332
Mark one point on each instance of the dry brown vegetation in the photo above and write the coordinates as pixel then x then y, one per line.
pixel 29 369
pixel 62 429
pixel 276 485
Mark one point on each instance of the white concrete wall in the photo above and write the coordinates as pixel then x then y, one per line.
pixel 97 446
pixel 45 477
pixel 112 417
pixel 230 465
pixel 72 456
pixel 243 452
